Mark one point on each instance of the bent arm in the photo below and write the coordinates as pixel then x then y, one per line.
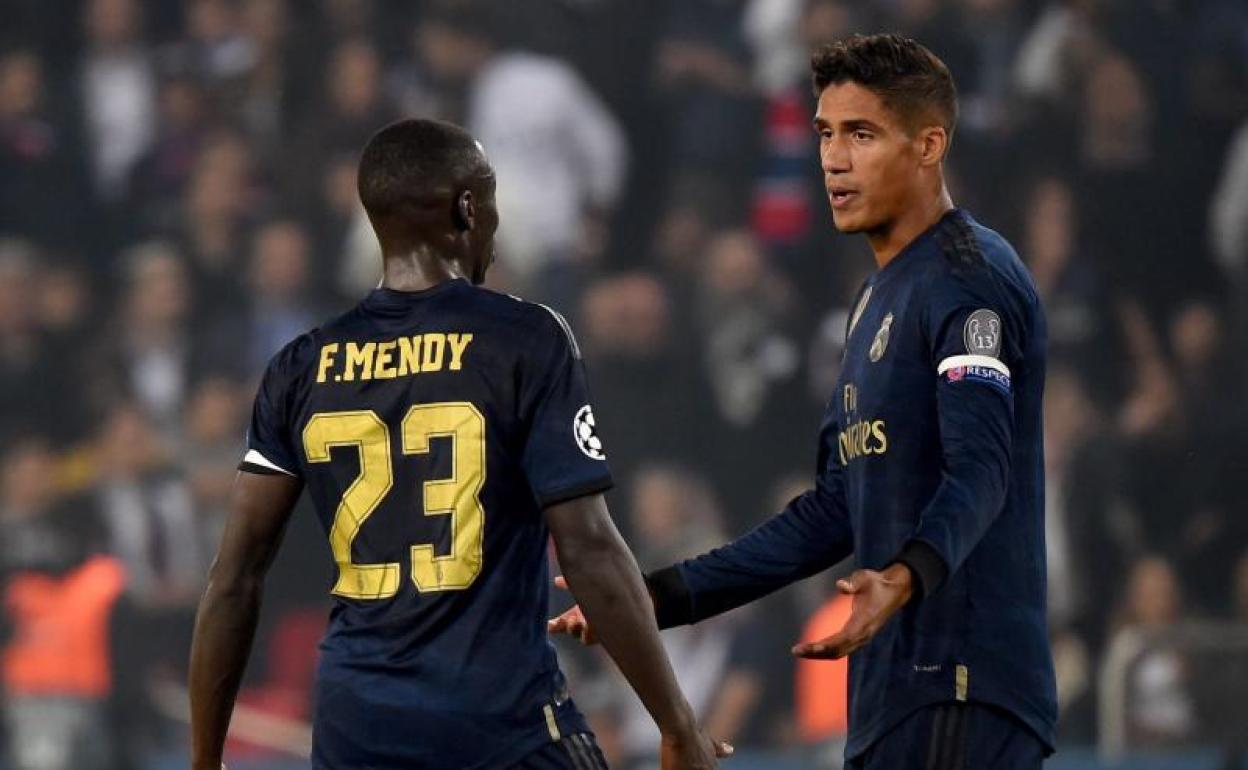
pixel 810 535
pixel 606 583
pixel 226 622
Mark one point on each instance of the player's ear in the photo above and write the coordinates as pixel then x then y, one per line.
pixel 933 144
pixel 465 211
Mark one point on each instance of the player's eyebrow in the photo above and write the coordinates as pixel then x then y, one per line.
pixel 848 125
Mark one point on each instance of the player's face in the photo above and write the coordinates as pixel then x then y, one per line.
pixel 871 164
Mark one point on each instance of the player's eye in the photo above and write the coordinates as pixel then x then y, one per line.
pixel 863 135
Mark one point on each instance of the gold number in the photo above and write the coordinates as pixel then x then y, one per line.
pixel 366 432
pixel 458 496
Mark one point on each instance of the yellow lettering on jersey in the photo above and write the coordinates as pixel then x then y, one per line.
pixel 866 437
pixel 459 343
pixel 389 359
pixel 361 357
pixel 409 355
pixel 435 349
pixel 327 361
pixel 382 368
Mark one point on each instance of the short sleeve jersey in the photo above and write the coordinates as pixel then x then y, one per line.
pixel 431 429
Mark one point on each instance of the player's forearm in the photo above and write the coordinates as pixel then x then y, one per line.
pixel 975 427
pixel 224 628
pixel 608 586
pixel 810 535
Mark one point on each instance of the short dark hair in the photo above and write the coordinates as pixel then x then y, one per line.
pixel 913 82
pixel 408 159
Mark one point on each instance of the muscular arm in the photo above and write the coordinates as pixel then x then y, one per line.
pixel 226 622
pixel 604 579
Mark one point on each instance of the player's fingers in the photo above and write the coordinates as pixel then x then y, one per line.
pixel 557 625
pixel 561 582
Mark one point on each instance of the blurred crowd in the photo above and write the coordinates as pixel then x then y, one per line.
pixel 177 201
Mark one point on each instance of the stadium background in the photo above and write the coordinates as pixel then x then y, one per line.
pixel 177 200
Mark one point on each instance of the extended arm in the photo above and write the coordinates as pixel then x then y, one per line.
pixel 810 535
pixel 226 622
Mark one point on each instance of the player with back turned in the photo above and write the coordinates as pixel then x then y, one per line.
pixel 930 466
pixel 442 431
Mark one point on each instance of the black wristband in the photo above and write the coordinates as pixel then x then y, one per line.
pixel 926 565
pixel 673 605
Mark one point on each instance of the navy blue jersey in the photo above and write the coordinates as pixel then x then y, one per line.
pixel 931 446
pixel 431 428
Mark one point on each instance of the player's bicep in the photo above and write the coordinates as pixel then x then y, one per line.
pixel 581 524
pixel 260 507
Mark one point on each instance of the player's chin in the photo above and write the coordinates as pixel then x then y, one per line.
pixel 848 222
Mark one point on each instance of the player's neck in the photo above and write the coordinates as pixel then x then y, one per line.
pixel 417 269
pixel 887 242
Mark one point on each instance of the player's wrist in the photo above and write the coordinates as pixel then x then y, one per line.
pixel 680 724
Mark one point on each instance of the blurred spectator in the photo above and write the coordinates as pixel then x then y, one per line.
pixel 1160 709
pixel 752 361
pixel 57 597
pixel 119 93
pixel 706 95
pixel 265 95
pixel 1229 212
pixel 559 154
pixel 151 360
pixel 281 299
pixel 146 506
pixel 214 48
pixel 24 363
pixel 1078 308
pixel 630 337
pixel 215 423
pixel 161 176
pixel 338 122
pixel 39 162
pixel 675 516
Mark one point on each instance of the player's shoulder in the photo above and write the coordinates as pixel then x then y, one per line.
pixel 978 260
pixel 294 357
pixel 541 325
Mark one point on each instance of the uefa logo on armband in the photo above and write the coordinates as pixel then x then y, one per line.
pixel 586 434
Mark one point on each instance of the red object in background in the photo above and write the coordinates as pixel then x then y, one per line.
pixel 291 660
pixel 61 642
pixel 823 685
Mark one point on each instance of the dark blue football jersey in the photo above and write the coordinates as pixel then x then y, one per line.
pixel 430 429
pixel 931 445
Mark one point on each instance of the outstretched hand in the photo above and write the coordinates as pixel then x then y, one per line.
pixel 877 595
pixel 571 621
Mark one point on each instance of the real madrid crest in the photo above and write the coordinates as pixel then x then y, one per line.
pixel 880 343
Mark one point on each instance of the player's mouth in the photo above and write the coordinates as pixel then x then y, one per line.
pixel 841 197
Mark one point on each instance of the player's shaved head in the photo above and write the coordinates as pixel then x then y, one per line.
pixel 429 190
pixel 417 164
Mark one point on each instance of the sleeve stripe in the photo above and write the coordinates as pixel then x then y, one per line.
pixel 988 362
pixel 567 329
pixel 255 458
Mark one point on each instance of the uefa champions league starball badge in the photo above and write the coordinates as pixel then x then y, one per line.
pixel 586 434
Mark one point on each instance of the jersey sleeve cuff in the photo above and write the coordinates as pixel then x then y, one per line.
pixel 673 604
pixel 573 492
pixel 926 565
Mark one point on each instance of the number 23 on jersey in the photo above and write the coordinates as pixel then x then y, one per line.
pixel 457 496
